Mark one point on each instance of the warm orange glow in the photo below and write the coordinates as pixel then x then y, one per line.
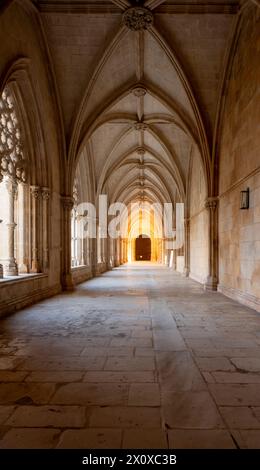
pixel 143 219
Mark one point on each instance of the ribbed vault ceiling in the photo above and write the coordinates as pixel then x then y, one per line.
pixel 140 101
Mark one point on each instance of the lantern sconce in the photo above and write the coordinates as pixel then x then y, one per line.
pixel 244 199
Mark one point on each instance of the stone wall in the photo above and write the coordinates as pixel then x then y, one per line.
pixel 198 222
pixel 239 169
pixel 21 38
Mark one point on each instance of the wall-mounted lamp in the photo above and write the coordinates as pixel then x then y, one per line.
pixel 244 199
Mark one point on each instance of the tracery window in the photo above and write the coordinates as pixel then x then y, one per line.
pixel 20 202
pixel 13 166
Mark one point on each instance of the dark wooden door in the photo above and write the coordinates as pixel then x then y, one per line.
pixel 143 248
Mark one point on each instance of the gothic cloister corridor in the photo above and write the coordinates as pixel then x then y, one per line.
pixel 140 357
pixel 129 227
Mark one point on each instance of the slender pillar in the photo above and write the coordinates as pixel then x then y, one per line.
pixel 23 228
pixel 211 204
pixel 174 260
pixel 67 205
pixel 35 193
pixel 88 251
pixel 74 236
pixel 186 270
pixel 94 260
pixel 10 265
pixel 45 217
pixel 80 241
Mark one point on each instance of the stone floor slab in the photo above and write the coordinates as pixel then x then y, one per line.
pixel 126 358
pixel 144 395
pixel 200 439
pixel 91 394
pixel 26 393
pixel 239 417
pixel 118 377
pixel 48 416
pixel 178 372
pixel 22 438
pixel 144 439
pixel 190 410
pixel 247 439
pixel 236 395
pixel 126 417
pixel 5 412
pixel 128 364
pixel 91 439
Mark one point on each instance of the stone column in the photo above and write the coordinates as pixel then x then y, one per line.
pixel 174 260
pixel 94 260
pixel 45 219
pixel 211 204
pixel 10 265
pixel 186 269
pixel 67 206
pixel 88 251
pixel 23 229
pixel 80 241
pixel 74 236
pixel 35 193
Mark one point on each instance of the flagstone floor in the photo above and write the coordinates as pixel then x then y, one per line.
pixel 137 358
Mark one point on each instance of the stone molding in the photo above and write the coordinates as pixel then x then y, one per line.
pixel 137 18
pixel 211 203
pixel 35 191
pixel 140 151
pixel 139 91
pixel 141 126
pixel 45 194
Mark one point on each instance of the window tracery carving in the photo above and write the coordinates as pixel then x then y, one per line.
pixel 12 159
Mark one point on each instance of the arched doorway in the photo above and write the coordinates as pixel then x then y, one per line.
pixel 143 248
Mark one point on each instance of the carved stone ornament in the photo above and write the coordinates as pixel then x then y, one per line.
pixel 137 18
pixel 140 126
pixel 211 203
pixel 67 202
pixel 35 191
pixel 75 192
pixel 12 161
pixel 140 151
pixel 45 194
pixel 139 91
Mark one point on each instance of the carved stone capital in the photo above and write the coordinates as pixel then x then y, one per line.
pixel 211 203
pixel 35 191
pixel 11 186
pixel 139 90
pixel 45 194
pixel 137 18
pixel 67 202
